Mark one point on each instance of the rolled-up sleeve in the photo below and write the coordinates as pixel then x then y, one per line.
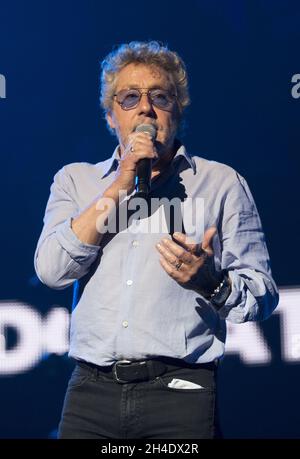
pixel 60 257
pixel 254 294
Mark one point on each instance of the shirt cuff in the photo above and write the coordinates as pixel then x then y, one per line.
pixel 77 250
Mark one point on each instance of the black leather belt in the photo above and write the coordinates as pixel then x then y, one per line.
pixel 126 371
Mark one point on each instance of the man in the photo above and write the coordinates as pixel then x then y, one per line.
pixel 148 328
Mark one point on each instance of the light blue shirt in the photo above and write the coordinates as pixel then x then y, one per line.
pixel 126 306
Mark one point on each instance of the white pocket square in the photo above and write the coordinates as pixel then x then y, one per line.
pixel 182 384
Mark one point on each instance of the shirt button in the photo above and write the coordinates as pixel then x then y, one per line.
pixel 135 243
pixel 125 324
pixel 129 282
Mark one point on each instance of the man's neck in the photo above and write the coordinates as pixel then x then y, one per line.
pixel 165 159
pixel 162 163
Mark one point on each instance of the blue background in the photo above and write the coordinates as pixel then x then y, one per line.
pixel 241 56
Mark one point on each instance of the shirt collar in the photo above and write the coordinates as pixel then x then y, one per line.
pixel 182 152
pixel 112 163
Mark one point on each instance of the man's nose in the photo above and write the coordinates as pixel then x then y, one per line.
pixel 145 104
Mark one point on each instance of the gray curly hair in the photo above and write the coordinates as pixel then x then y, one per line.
pixel 149 53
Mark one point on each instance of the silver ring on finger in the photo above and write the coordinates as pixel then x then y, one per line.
pixel 132 149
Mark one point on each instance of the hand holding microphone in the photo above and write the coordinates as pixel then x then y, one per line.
pixel 136 161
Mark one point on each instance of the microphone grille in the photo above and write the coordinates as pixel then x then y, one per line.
pixel 152 130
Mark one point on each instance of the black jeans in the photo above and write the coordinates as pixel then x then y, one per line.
pixel 96 406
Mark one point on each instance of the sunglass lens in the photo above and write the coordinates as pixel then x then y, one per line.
pixel 128 99
pixel 161 99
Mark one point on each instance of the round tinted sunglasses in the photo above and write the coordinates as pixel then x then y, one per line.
pixel 130 98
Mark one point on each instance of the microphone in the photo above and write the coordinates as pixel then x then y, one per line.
pixel 143 168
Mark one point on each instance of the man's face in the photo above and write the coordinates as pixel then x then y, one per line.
pixel 125 121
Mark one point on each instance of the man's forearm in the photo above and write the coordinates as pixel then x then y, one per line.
pixel 89 225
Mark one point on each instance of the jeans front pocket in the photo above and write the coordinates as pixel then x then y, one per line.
pixel 79 377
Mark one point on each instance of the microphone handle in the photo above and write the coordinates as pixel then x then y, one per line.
pixel 143 177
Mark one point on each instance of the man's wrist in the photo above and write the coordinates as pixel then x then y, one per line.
pixel 221 293
pixel 112 192
pixel 207 284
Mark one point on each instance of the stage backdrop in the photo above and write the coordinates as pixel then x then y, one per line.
pixel 243 61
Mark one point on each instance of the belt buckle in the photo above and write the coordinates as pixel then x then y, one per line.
pixel 115 370
pixel 115 373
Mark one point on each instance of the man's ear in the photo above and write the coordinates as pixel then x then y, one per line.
pixel 110 120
